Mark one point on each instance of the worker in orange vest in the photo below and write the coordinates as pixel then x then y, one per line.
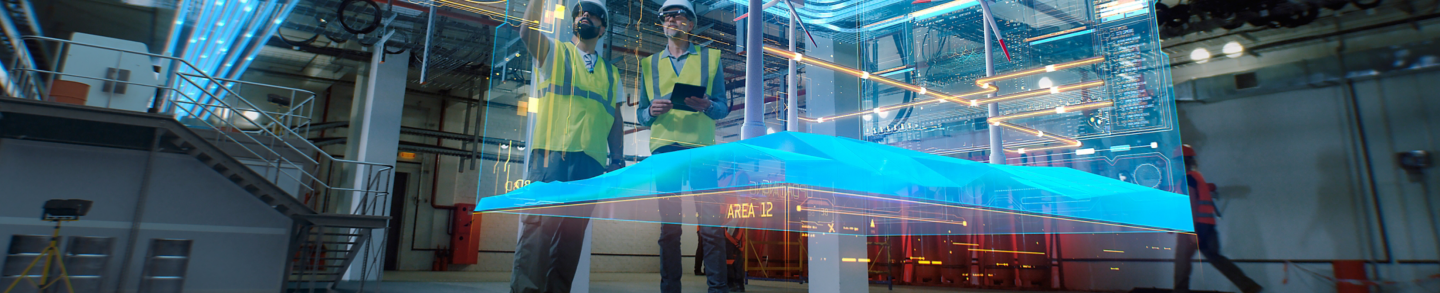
pixel 1202 208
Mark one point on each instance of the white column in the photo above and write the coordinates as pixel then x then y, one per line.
pixel 375 137
pixel 832 93
pixel 581 284
pixel 836 263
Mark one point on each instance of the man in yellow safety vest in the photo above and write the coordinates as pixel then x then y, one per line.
pixel 577 127
pixel 673 129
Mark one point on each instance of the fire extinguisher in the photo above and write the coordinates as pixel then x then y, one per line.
pixel 442 260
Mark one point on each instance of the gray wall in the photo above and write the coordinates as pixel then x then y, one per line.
pixel 1293 186
pixel 240 242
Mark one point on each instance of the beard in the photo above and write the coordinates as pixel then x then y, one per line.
pixel 673 31
pixel 587 31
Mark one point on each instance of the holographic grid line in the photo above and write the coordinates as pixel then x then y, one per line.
pixel 787 187
pixel 987 87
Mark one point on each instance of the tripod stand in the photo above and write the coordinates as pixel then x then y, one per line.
pixel 50 254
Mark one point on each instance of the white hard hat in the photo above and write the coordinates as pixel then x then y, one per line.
pixel 683 4
pixel 579 6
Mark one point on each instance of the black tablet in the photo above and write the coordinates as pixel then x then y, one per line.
pixel 680 91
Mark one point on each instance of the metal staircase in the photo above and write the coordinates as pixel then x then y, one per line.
pixel 195 114
pixel 325 249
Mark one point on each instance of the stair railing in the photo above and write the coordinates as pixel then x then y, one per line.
pixel 199 100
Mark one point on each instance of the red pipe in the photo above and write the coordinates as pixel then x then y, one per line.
pixel 435 173
pixel 324 117
pixel 325 113
pixel 1350 270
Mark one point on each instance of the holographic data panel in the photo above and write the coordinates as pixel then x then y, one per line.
pixel 1086 113
pixel 1079 84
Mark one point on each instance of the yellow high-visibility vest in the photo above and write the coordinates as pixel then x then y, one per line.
pixel 686 128
pixel 576 106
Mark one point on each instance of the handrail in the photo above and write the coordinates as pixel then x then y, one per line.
pixel 161 88
pixel 372 180
pixel 182 61
pixel 367 184
pixel 293 105
pixel 255 84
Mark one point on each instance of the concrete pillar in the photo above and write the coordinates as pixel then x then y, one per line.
pixel 375 137
pixel 831 93
pixel 836 263
pixel 581 284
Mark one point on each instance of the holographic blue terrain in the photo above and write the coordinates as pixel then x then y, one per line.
pixel 880 172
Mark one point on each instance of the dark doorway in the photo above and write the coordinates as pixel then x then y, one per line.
pixel 397 212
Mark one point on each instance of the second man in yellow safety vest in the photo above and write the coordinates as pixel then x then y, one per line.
pixel 673 129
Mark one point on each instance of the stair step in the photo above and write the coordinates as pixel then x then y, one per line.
pixel 316 274
pixel 348 221
pixel 327 251
pixel 323 264
pixel 340 251
pixel 314 269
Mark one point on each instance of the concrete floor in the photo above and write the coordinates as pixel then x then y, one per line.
pixel 495 282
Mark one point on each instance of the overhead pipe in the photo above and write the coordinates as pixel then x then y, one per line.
pixel 792 100
pixel 450 14
pixel 997 148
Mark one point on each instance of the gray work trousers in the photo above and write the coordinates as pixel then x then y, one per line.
pixel 712 238
pixel 1206 240
pixel 548 250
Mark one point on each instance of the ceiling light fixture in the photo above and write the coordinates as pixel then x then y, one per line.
pixel 1200 55
pixel 1233 49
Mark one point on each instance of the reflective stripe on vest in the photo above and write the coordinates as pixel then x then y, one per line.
pixel 1202 205
pixel 575 116
pixel 567 88
pixel 690 129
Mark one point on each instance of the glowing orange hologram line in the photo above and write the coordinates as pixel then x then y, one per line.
pixel 1038 70
pixel 986 85
pixel 1039 92
pixel 1069 141
pixel 1057 110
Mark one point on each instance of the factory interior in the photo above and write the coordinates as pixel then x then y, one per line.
pixel 229 146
